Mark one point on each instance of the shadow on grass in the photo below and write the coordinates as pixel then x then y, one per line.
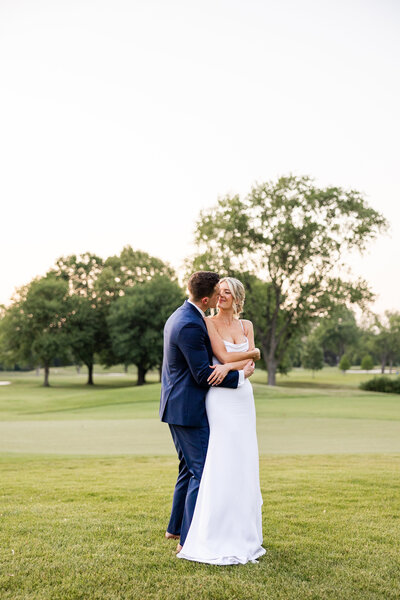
pixel 315 385
pixel 307 384
pixel 86 387
pixel 81 408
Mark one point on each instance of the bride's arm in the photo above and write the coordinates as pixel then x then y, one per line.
pixel 221 371
pixel 221 353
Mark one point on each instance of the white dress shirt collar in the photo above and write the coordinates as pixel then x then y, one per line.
pixel 199 309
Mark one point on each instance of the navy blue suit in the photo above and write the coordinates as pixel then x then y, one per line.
pixel 186 368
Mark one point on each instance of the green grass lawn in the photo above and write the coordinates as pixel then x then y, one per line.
pixel 92 528
pixel 87 475
pixel 302 415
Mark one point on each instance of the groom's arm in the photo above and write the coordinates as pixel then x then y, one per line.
pixel 192 343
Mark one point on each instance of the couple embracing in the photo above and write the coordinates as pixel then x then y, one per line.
pixel 207 400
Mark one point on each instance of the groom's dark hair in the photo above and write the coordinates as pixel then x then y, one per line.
pixel 202 284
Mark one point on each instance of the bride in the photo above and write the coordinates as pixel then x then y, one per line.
pixel 226 528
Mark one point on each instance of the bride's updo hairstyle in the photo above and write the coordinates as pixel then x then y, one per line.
pixel 238 294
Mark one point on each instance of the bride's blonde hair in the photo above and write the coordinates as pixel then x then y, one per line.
pixel 238 294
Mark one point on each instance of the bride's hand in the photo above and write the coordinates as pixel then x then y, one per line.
pixel 219 374
pixel 256 354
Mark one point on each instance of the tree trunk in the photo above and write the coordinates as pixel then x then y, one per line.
pixel 391 365
pixel 37 371
pixel 125 369
pixel 90 374
pixel 271 374
pixel 141 379
pixel 271 368
pixel 78 369
pixel 270 363
pixel 46 375
pixel 383 364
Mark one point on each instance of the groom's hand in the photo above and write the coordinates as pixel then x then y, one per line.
pixel 249 369
pixel 220 372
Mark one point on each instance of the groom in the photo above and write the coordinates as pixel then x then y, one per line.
pixel 185 370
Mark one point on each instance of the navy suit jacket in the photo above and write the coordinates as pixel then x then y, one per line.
pixel 185 370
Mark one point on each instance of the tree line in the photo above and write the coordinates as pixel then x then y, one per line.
pixel 287 240
pixel 86 309
pixel 340 341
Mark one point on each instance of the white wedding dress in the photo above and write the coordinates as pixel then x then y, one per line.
pixel 226 528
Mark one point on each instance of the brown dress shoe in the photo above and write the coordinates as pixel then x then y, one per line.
pixel 171 536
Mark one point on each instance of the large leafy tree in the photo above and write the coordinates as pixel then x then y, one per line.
pixel 80 271
pixel 294 235
pixel 119 274
pixel 136 321
pixel 258 295
pixel 128 269
pixel 86 324
pixel 32 329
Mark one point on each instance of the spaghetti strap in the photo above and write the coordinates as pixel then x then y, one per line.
pixel 244 333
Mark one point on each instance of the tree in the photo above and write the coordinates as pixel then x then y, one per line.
pixel 86 331
pixel 86 327
pixel 293 235
pixel 386 340
pixel 364 344
pixel 258 294
pixel 313 356
pixel 119 274
pixel 367 363
pixel 32 329
pixel 127 270
pixel 136 322
pixel 344 364
pixel 337 333
pixel 80 271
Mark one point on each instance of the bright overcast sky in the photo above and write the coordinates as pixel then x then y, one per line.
pixel 121 119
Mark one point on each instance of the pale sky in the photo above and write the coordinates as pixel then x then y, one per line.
pixel 121 119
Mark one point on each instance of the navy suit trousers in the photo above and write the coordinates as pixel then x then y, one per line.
pixel 191 445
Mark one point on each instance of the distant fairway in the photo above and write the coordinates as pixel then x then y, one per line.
pixel 303 415
pixel 88 472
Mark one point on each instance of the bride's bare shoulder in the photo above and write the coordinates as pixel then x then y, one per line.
pixel 209 322
pixel 248 325
pixel 212 326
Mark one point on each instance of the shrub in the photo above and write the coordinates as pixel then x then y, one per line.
pixel 396 385
pixel 382 384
